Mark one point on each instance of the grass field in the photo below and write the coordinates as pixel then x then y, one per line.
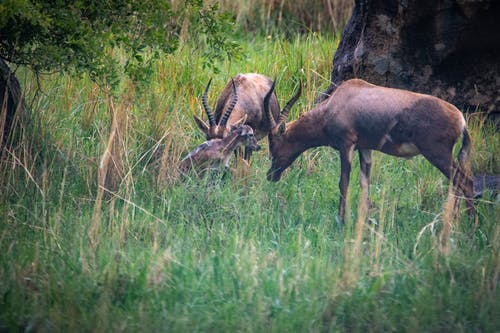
pixel 227 255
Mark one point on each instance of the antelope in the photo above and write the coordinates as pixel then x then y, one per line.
pixel 365 117
pixel 214 153
pixel 232 107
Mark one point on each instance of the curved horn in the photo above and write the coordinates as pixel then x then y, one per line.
pixel 210 115
pixel 291 102
pixel 267 112
pixel 230 108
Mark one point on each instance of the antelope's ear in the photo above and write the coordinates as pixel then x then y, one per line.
pixel 279 129
pixel 282 128
pixel 201 125
pixel 246 130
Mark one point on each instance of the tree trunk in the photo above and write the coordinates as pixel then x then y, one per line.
pixel 10 101
pixel 447 48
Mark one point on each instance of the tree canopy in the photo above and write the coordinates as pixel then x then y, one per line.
pixel 84 35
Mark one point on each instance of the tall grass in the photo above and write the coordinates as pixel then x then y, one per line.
pixel 149 252
pixel 327 16
pixel 263 17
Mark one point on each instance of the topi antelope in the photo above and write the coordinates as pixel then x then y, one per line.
pixel 232 106
pixel 366 117
pixel 214 153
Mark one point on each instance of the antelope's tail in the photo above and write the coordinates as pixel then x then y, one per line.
pixel 463 177
pixel 464 154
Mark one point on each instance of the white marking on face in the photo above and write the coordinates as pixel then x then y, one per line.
pixel 247 130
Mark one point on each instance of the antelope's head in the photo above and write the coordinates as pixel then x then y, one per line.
pixel 245 134
pixel 213 130
pixel 281 157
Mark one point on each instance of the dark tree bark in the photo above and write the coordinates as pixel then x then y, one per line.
pixel 446 48
pixel 11 101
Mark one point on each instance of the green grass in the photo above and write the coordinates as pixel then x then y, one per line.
pixel 236 254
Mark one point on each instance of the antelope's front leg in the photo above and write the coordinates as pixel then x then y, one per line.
pixel 248 154
pixel 365 157
pixel 345 172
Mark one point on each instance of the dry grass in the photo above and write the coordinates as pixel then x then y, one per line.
pixel 266 16
pixel 316 15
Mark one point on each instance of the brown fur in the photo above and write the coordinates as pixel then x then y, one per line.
pixel 212 154
pixel 251 89
pixel 365 117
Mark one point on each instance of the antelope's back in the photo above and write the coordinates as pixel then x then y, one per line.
pixel 359 101
pixel 251 89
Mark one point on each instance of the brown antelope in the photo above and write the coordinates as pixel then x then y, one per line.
pixel 366 117
pixel 212 154
pixel 232 107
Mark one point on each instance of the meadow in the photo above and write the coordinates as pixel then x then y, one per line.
pixel 237 254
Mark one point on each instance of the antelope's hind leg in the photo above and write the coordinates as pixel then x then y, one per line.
pixel 442 158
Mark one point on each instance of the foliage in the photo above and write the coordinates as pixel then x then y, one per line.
pixel 107 38
pixel 228 255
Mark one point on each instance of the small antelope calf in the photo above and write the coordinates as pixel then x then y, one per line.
pixel 212 154
pixel 241 100
pixel 365 117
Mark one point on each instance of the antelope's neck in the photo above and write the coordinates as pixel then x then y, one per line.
pixel 307 131
pixel 231 142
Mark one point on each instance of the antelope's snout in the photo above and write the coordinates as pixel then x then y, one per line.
pixel 255 148
pixel 274 173
pixel 254 145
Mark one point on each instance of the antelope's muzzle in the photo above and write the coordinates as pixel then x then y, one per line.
pixel 256 147
pixel 274 174
pixel 253 144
